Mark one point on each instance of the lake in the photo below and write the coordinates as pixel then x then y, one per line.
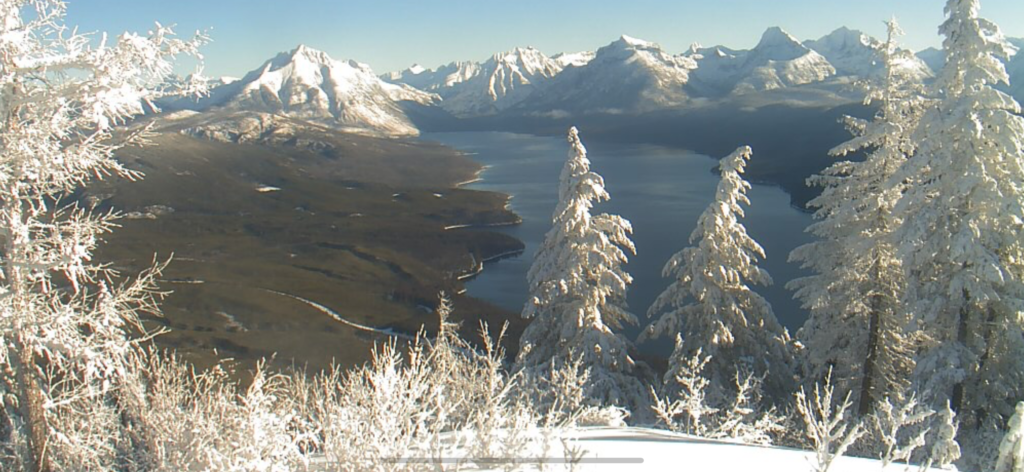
pixel 661 191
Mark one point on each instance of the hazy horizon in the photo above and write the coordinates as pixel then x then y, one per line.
pixel 392 35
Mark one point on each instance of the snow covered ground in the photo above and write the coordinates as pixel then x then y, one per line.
pixel 646 449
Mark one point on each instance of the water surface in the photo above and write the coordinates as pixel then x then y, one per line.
pixel 661 191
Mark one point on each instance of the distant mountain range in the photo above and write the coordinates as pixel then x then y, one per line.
pixel 628 76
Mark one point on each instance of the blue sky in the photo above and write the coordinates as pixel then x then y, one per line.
pixel 393 34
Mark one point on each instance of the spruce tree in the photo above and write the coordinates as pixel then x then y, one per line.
pixel 578 290
pixel 857 328
pixel 711 303
pixel 963 214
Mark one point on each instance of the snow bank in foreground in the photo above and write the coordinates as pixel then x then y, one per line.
pixel 644 449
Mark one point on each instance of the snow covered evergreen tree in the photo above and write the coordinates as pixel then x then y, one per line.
pixel 711 303
pixel 857 326
pixel 1011 450
pixel 63 318
pixel 578 290
pixel 963 214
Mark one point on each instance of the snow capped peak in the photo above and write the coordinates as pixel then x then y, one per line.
pixel 776 36
pixel 417 69
pixel 630 43
pixel 626 76
pixel 854 53
pixel 307 84
pixel 529 58
pixel 844 37
pixel 308 54
pixel 778 61
pixel 637 43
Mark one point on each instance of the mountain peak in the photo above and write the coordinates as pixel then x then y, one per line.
pixel 631 42
pixel 305 51
pixel 518 53
pixel 844 38
pixel 774 36
pixel 302 54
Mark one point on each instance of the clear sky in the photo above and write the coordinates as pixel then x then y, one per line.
pixel 393 34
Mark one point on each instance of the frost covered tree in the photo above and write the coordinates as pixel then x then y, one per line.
pixel 857 326
pixel 1011 449
pixel 63 317
pixel 963 214
pixel 578 290
pixel 711 303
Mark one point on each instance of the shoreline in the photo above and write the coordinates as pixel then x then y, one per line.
pixel 478 265
pixel 518 220
pixel 477 175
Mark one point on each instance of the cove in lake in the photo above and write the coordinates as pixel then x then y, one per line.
pixel 661 191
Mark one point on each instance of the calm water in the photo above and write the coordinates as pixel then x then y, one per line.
pixel 661 191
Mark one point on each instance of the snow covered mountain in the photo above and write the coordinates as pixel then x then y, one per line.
pixel 434 80
pixel 627 76
pixel 853 53
pixel 576 59
pixel 934 57
pixel 306 84
pixel 778 61
pixel 471 89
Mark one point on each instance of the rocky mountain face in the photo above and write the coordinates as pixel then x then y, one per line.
pixel 627 76
pixel 308 85
pixel 472 89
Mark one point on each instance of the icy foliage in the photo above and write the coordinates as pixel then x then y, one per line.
pixel 64 317
pixel 578 290
pixel 857 327
pixel 432 405
pixel 1011 449
pixel 963 213
pixel 737 419
pixel 830 432
pixel 897 430
pixel 943 448
pixel 935 58
pixel 711 303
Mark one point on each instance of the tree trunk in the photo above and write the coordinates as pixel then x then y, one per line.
pixel 31 403
pixel 957 400
pixel 869 372
pixel 990 321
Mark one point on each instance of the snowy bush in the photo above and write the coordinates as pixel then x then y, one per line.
pixel 738 420
pixel 895 431
pixel 826 424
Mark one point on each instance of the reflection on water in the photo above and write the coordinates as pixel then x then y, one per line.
pixel 661 191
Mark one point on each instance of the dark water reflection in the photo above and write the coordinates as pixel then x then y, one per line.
pixel 661 191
